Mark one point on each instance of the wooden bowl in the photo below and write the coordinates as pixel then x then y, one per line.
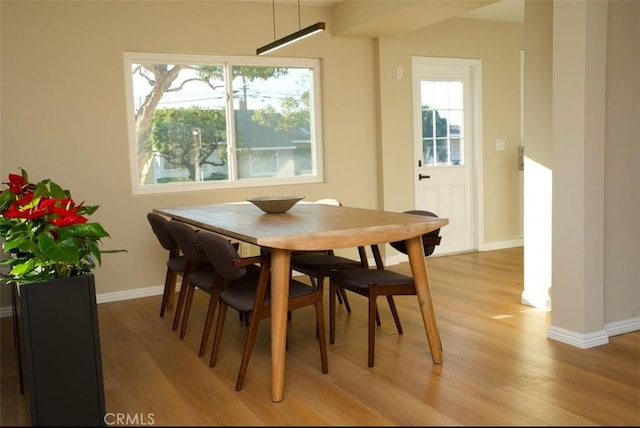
pixel 275 204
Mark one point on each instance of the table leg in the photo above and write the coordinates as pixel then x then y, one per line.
pixel 423 290
pixel 280 274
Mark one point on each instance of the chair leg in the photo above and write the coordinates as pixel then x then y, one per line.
pixel 378 323
pixel 213 302
pixel 222 313
pixel 183 290
pixel 313 281
pixel 394 312
pixel 248 348
pixel 321 281
pixel 172 289
pixel 332 313
pixel 342 294
pixel 166 293
pixel 187 310
pixel 322 338
pixel 373 310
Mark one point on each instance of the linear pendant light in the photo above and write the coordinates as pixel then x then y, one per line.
pixel 291 38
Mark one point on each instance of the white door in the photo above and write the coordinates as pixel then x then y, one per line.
pixel 445 130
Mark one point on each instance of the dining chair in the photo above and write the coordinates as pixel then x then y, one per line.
pixel 317 264
pixel 198 271
pixel 175 262
pixel 254 297
pixel 372 283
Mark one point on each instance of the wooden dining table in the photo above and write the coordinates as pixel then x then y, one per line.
pixel 309 226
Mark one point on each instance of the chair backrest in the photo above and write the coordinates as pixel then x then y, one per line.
pixel 221 254
pixel 329 201
pixel 185 236
pixel 429 240
pixel 160 227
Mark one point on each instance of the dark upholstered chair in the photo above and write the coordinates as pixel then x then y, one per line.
pixel 198 271
pixel 175 262
pixel 253 296
pixel 372 283
pixel 317 264
pixel 200 274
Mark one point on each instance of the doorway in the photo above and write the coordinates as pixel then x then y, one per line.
pixel 446 94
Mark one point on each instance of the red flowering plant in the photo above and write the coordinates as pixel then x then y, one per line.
pixel 45 232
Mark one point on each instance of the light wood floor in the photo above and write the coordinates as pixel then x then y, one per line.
pixel 499 368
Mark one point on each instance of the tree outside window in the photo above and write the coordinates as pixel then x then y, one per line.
pixel 222 121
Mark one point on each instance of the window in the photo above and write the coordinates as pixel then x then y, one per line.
pixel 205 122
pixel 442 122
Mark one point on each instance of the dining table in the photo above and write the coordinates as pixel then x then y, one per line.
pixel 309 226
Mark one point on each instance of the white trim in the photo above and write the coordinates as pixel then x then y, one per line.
pixel 117 296
pixel 535 300
pixel 5 311
pixel 476 173
pixel 555 333
pixel 478 161
pixel 490 246
pixel 501 245
pixel 579 340
pixel 137 293
pixel 622 327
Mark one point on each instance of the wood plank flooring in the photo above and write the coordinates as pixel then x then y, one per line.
pixel 499 368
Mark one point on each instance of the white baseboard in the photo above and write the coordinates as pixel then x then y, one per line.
pixel 536 300
pixel 5 311
pixel 579 340
pixel 501 245
pixel 130 294
pixel 597 338
pixel 622 327
pixel 489 246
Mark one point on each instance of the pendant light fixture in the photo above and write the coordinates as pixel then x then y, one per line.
pixel 291 38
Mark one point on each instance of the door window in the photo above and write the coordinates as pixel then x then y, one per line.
pixel 442 122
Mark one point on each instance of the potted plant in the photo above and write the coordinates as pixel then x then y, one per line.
pixel 46 233
pixel 52 248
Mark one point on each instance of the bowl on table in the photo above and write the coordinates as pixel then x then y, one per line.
pixel 275 204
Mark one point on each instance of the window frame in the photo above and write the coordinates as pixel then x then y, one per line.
pixel 315 104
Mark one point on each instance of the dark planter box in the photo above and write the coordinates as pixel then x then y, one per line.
pixel 59 351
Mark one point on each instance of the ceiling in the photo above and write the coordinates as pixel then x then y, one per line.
pixel 502 10
pixel 391 18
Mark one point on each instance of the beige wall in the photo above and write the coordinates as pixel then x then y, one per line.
pixel 63 117
pixel 497 45
pixel 64 109
pixel 622 156
pixel 596 212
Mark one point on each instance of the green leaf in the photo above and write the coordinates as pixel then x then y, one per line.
pixel 88 209
pixel 94 251
pixel 22 269
pixel 87 230
pixel 64 250
pixel 6 199
pixel 55 191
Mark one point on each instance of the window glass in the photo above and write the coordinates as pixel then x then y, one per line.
pixel 442 122
pixel 210 122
